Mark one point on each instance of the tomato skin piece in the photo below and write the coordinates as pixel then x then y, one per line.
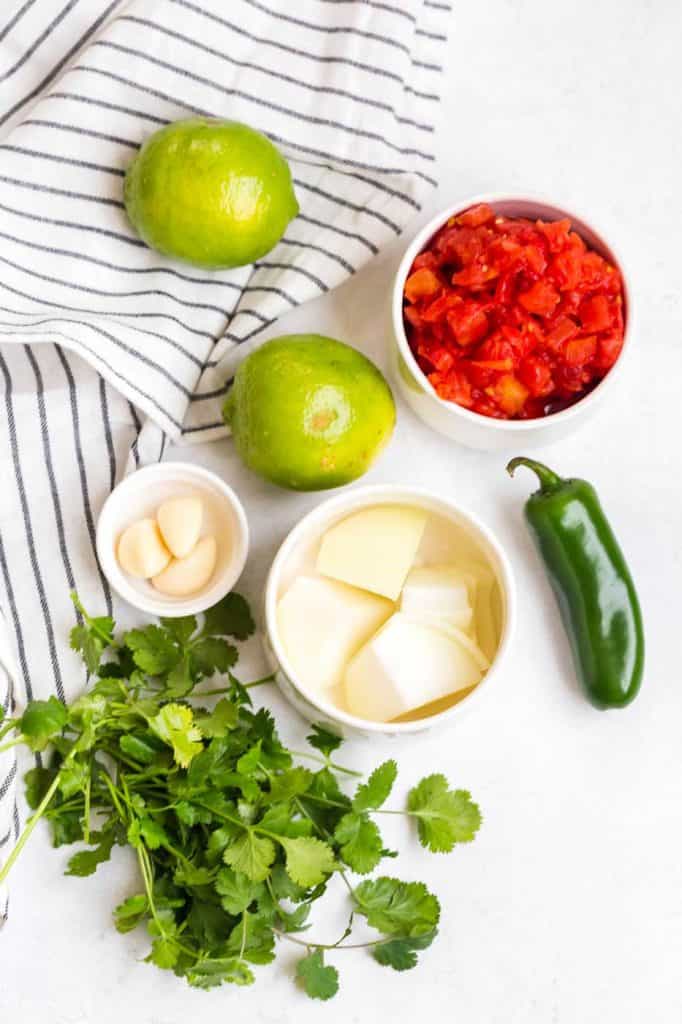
pixel 510 318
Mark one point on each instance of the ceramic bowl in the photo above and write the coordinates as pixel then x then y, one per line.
pixel 298 552
pixel 138 496
pixel 471 428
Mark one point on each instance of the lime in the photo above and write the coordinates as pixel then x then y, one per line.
pixel 309 412
pixel 213 193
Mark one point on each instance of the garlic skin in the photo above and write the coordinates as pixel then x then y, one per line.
pixel 141 550
pixel 185 576
pixel 180 522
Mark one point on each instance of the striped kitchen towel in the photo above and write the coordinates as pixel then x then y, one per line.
pixel 106 348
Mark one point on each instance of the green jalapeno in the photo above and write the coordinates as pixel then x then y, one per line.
pixel 592 585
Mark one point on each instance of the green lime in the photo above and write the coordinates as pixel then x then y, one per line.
pixel 214 193
pixel 309 412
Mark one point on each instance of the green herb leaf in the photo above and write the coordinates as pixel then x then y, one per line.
pixel 214 655
pixel 308 860
pixel 222 719
pixel 87 861
pixel 251 854
pixel 153 650
pixel 209 973
pixel 372 794
pixel 405 909
pixel 174 724
pixel 147 831
pixel 130 913
pixel 230 617
pixel 164 954
pixel 181 629
pixel 42 721
pixel 324 741
pixel 236 890
pixel 401 954
pixel 444 816
pixel 289 784
pixel 320 981
pixel 360 841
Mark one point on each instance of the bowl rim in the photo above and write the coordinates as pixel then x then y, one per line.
pixel 511 427
pixel 106 556
pixel 361 497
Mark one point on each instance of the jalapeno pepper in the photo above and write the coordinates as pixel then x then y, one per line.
pixel 592 585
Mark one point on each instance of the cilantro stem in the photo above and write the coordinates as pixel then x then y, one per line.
pixel 325 761
pixel 331 945
pixel 230 689
pixel 86 810
pixel 11 743
pixel 8 726
pixel 34 819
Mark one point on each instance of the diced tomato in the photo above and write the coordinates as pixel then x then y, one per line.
pixel 422 284
pixel 564 331
pixel 595 313
pixel 477 215
pixel 509 393
pixel 556 232
pixel 565 269
pixel 541 298
pixel 580 351
pixel 608 350
pixel 536 374
pixel 468 323
pixel 475 275
pixel 425 259
pixel 511 318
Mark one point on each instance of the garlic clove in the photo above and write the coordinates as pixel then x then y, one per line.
pixel 187 575
pixel 141 550
pixel 180 520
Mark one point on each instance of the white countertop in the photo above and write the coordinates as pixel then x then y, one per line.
pixel 567 909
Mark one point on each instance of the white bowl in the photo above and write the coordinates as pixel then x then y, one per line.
pixel 471 428
pixel 300 545
pixel 139 496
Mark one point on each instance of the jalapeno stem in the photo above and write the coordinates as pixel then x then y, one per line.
pixel 549 480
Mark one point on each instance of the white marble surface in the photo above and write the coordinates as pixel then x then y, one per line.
pixel 567 909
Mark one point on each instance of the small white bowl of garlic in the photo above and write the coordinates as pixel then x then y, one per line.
pixel 172 539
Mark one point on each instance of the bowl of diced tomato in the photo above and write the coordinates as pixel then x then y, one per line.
pixel 511 316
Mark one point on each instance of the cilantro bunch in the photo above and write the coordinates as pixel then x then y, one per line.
pixel 235 842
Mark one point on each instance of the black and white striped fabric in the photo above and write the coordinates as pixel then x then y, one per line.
pixel 107 349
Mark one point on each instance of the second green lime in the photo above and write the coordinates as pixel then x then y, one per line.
pixel 308 412
pixel 216 194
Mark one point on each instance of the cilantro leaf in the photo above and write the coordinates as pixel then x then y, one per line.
pixel 130 913
pixel 360 841
pixel 214 655
pixel 251 854
pixel 444 816
pixel 148 831
pixel 73 778
pixel 319 981
pixel 87 861
pixel 372 794
pixel 37 782
pixel 404 909
pixel 164 953
pixel 153 650
pixel 138 747
pixel 182 628
pixel 42 721
pixel 230 617
pixel 90 645
pixel 179 681
pixel 211 972
pixel 224 717
pixel 323 740
pixel 174 724
pixel 289 784
pixel 308 860
pixel 236 890
pixel 401 954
